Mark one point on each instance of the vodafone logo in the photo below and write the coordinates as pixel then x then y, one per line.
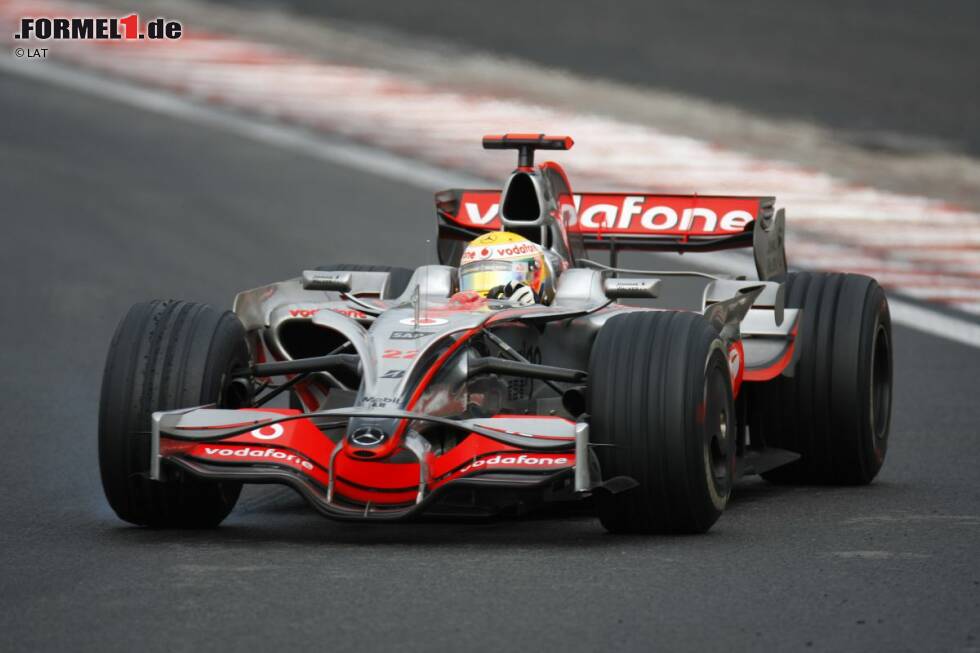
pixel 475 216
pixel 506 250
pixel 423 321
pixel 522 460
pixel 351 312
pixel 265 453
pixel 736 365
pixel 515 250
pixel 310 312
pixel 660 217
pixel 303 312
pixel 636 214
pixel 270 432
pixel 734 361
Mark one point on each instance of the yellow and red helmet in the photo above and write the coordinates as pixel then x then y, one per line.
pixel 499 258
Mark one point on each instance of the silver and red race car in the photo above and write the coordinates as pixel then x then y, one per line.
pixel 407 397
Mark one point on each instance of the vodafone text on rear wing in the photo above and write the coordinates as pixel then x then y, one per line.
pixel 636 221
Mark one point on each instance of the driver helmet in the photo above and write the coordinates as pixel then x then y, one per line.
pixel 500 258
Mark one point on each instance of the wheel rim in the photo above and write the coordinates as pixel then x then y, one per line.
pixel 881 388
pixel 717 456
pixel 718 440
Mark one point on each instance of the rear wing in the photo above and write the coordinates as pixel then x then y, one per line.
pixel 637 221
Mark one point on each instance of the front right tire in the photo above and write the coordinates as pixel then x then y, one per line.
pixel 166 355
pixel 660 399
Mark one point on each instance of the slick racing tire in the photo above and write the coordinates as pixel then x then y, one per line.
pixel 166 355
pixel 397 280
pixel 836 408
pixel 660 393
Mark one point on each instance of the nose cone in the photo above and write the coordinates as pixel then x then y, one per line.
pixel 370 438
pixel 367 436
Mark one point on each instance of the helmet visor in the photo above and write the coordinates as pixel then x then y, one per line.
pixel 482 276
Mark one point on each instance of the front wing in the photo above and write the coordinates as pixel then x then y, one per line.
pixel 305 451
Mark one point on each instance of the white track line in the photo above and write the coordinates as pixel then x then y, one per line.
pixel 391 166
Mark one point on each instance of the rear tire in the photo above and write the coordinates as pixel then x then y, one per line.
pixel 836 409
pixel 397 280
pixel 660 392
pixel 166 355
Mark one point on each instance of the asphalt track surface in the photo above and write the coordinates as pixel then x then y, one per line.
pixel 898 75
pixel 105 206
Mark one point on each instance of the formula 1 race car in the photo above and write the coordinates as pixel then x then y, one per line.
pixel 409 397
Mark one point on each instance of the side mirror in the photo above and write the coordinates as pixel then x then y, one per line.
pixel 326 280
pixel 631 288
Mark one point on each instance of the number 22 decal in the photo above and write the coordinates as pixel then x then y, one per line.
pixel 400 353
